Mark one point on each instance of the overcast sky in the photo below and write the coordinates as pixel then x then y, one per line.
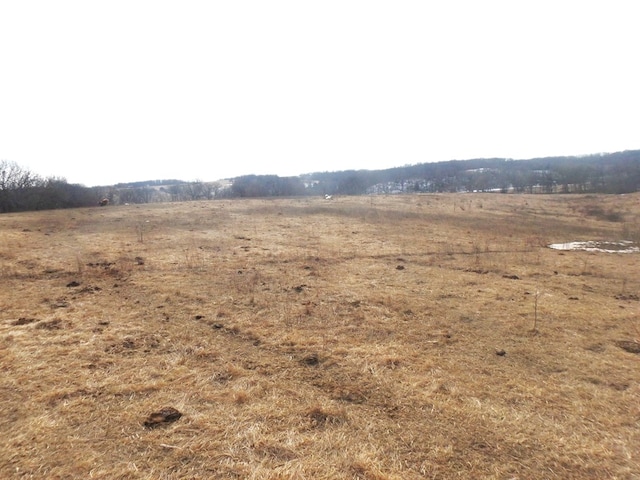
pixel 100 92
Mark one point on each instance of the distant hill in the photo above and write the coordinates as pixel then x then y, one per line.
pixel 618 172
pixel 149 183
pixel 605 173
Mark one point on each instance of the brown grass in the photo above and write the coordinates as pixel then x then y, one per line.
pixel 358 338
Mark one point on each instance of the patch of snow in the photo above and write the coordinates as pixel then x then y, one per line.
pixel 621 246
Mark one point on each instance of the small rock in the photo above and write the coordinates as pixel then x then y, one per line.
pixel 311 359
pixel 24 321
pixel 400 267
pixel 629 346
pixel 163 416
pixel 501 353
pixel 73 284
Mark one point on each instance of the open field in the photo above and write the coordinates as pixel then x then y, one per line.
pixel 402 337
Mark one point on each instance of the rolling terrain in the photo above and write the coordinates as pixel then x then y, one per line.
pixel 401 337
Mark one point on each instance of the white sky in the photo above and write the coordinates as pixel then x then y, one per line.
pixel 101 92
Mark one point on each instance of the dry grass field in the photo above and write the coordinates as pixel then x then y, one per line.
pixel 406 337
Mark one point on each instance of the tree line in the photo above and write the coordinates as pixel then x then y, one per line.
pixel 21 189
pixel 602 173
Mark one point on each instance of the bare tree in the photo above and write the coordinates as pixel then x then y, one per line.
pixel 14 183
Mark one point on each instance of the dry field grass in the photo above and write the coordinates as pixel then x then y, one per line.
pixel 358 338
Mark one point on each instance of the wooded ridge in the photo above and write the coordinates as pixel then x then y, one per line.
pixel 22 190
